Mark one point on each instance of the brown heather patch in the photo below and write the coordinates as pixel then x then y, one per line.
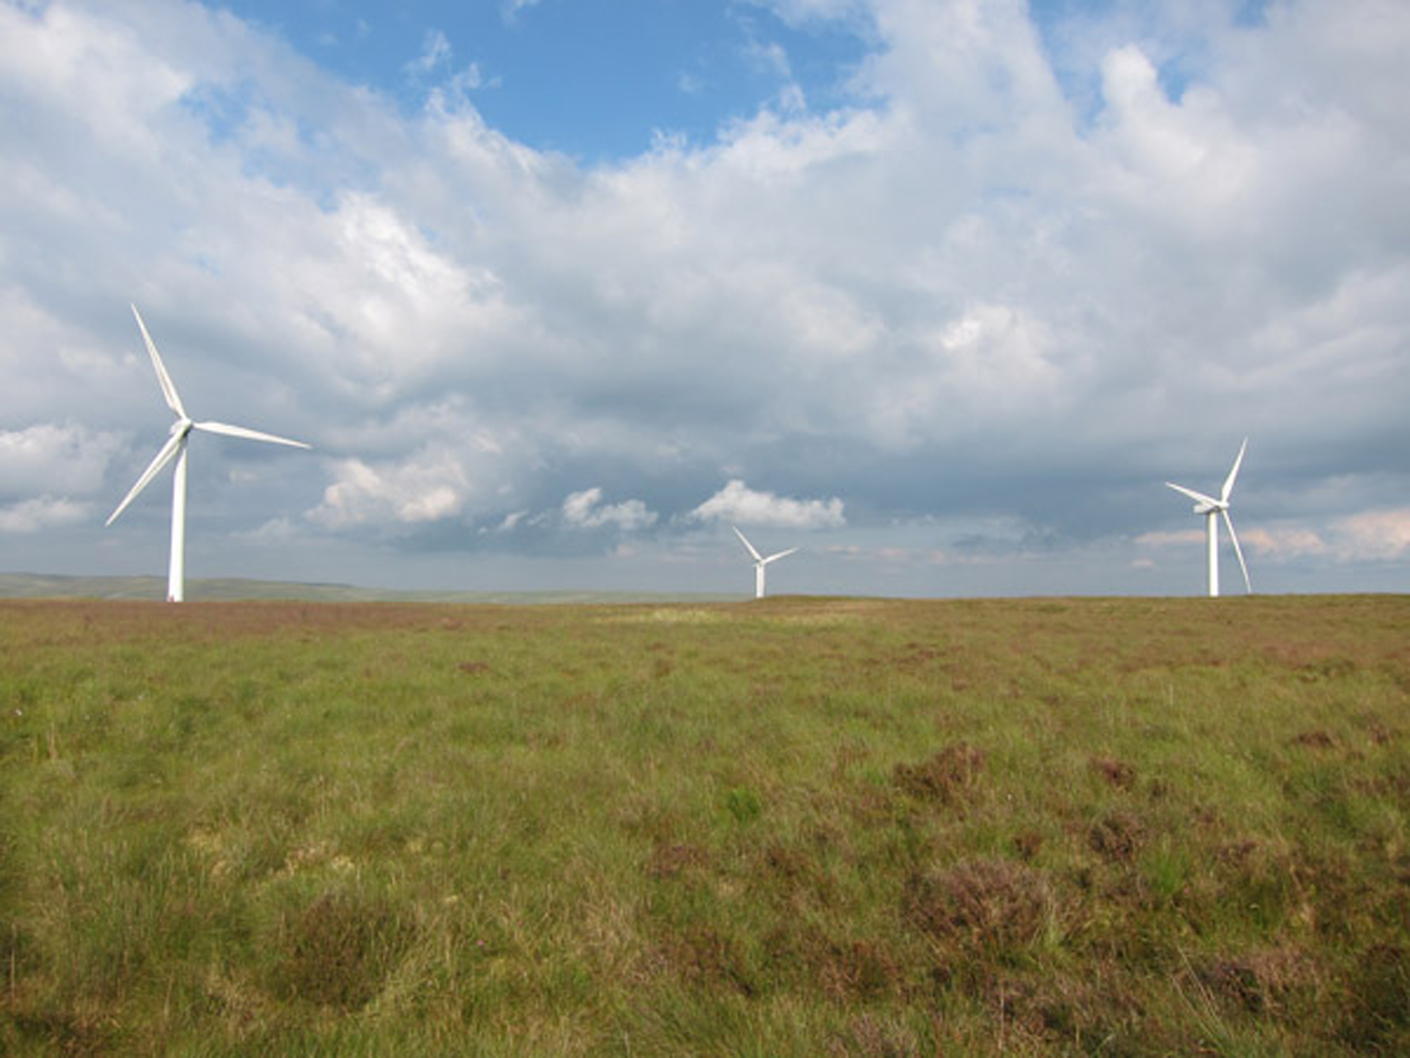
pixel 339 950
pixel 945 778
pixel 673 860
pixel 474 668
pixel 842 970
pixel 1118 773
pixel 1055 1008
pixel 871 1036
pixel 789 864
pixel 1027 844
pixel 982 905
pixel 1258 981
pixel 1315 739
pixel 1117 836
pixel 1327 668
pixel 1236 853
pixel 912 656
pixel 1378 1014
pixel 1376 729
pixel 859 969
pixel 706 958
pixel 82 1030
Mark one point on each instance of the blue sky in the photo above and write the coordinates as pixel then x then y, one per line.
pixel 596 81
pixel 939 291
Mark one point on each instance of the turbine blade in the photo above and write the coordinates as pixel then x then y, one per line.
pixel 1234 473
pixel 1198 497
pixel 745 541
pixel 251 435
pixel 173 399
pixel 163 457
pixel 1248 585
pixel 781 554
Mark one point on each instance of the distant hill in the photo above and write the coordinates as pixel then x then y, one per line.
pixel 228 589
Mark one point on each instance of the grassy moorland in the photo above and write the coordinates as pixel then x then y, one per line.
pixel 801 826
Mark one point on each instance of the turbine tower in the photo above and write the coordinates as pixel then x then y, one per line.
pixel 759 561
pixel 175 448
pixel 1212 509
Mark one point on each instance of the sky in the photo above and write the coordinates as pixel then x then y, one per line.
pixel 940 292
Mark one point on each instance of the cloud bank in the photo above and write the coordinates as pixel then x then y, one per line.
pixel 1030 266
pixel 736 502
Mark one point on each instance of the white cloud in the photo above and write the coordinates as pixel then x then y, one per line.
pixel 736 502
pixel 585 510
pixel 511 8
pixel 1171 538
pixel 435 51
pixel 51 457
pixel 428 487
pixel 1367 536
pixel 798 11
pixel 938 296
pixel 1373 535
pixel 45 512
pixel 1278 543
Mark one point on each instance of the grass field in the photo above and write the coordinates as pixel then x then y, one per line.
pixel 795 827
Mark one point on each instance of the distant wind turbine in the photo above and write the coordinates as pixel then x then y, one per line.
pixel 175 448
pixel 759 561
pixel 1212 509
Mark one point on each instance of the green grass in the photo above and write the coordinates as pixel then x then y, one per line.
pixel 802 826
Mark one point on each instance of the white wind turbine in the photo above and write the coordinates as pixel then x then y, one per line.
pixel 1212 509
pixel 759 561
pixel 175 448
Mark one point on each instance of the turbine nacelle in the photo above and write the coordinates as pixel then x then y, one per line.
pixel 1214 509
pixel 1203 504
pixel 760 561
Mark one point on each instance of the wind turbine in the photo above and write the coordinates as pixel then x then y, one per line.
pixel 175 448
pixel 759 561
pixel 1212 509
